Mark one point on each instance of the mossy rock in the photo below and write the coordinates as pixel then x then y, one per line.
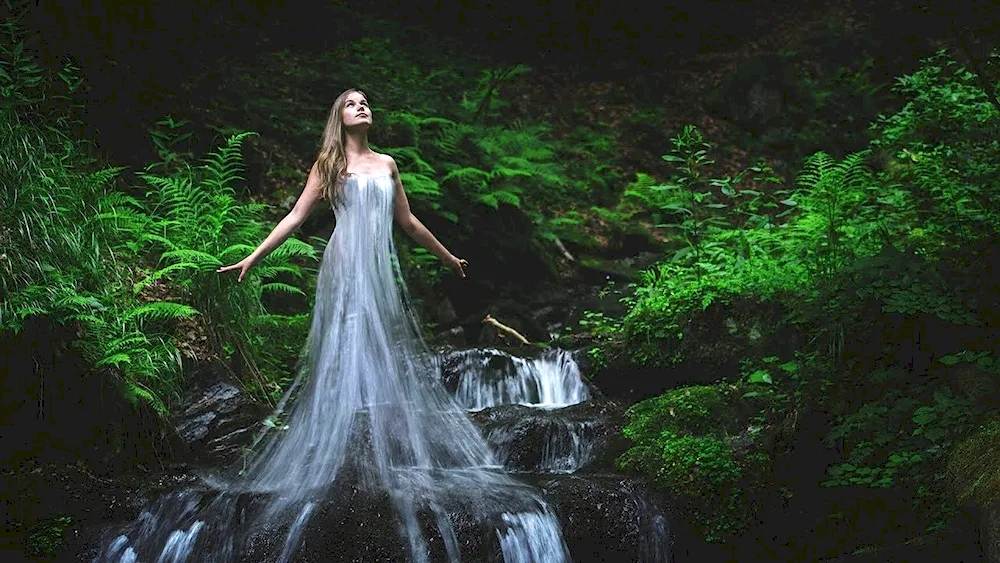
pixel 974 469
pixel 694 443
pixel 598 268
pixel 699 409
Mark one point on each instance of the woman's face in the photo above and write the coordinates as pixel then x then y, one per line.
pixel 356 113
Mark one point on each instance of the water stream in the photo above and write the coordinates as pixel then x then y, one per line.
pixel 219 521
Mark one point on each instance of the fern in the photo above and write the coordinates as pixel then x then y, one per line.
pixel 450 142
pixel 836 194
pixel 160 310
pixel 199 225
pixel 421 188
pixel 277 287
pixel 468 177
pixel 411 159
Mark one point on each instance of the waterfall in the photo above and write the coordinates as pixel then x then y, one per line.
pixel 368 408
pixel 490 378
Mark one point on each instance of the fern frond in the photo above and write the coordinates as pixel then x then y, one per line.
pixel 269 271
pixel 495 198
pixel 278 287
pixel 411 157
pixel 152 237
pixel 116 359
pixel 224 165
pixel 420 187
pixel 148 280
pixel 293 247
pixel 450 139
pixel 159 310
pixel 77 303
pixel 204 260
pixel 468 176
pixel 238 250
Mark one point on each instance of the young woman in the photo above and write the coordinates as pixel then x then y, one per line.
pixel 345 157
pixel 373 400
pixel 369 410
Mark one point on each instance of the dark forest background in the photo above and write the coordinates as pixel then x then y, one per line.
pixel 770 227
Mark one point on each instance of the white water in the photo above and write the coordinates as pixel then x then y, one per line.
pixel 490 378
pixel 364 360
pixel 530 538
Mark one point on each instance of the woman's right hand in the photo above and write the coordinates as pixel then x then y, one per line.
pixel 243 265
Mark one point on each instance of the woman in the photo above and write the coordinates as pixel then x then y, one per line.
pixel 345 145
pixel 372 414
pixel 372 408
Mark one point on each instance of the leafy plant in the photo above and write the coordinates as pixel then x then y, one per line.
pixel 683 440
pixel 198 226
pixel 69 241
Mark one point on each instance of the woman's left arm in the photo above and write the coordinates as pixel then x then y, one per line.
pixel 417 231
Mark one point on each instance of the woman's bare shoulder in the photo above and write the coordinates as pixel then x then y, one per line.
pixel 388 162
pixel 385 159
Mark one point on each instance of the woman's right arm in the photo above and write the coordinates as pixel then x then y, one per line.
pixel 311 194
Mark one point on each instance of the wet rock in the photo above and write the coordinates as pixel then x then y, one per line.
pixel 217 420
pixel 91 502
pixel 362 526
pixel 610 518
pixel 954 543
pixel 566 440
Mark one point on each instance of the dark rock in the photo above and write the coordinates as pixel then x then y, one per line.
pixel 91 502
pixel 610 518
pixel 217 419
pixel 579 437
pixel 361 525
pixel 755 96
pixel 953 544
pixel 989 533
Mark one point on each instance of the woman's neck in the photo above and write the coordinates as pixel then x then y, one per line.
pixel 356 144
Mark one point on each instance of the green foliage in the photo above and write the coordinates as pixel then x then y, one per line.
pixel 73 247
pixel 732 248
pixel 856 235
pixel 482 101
pixel 197 226
pixel 946 120
pixel 68 240
pixel 46 538
pixel 683 440
pixel 900 440
pixel 840 214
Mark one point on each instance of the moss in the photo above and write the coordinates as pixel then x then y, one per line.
pixel 686 410
pixel 973 467
pixel 683 440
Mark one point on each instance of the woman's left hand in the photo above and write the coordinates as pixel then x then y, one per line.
pixel 458 263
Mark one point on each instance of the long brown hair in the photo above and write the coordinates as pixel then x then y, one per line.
pixel 331 164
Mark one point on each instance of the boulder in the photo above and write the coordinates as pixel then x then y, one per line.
pixel 579 437
pixel 610 518
pixel 217 419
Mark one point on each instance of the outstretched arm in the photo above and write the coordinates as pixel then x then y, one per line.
pixel 416 230
pixel 311 194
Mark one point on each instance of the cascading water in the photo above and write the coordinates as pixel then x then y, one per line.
pixel 490 377
pixel 367 381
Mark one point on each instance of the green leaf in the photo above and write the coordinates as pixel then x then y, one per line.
pixel 761 376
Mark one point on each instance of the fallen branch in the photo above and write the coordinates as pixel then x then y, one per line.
pixel 504 329
pixel 562 249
